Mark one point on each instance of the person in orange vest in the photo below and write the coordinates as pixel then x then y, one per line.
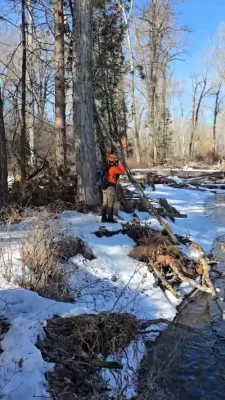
pixel 110 178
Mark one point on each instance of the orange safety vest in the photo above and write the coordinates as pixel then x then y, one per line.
pixel 114 173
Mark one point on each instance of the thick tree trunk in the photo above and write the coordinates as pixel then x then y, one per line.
pixel 60 103
pixel 85 143
pixel 23 95
pixel 3 159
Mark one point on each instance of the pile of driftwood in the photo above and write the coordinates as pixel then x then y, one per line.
pixel 132 200
pixel 205 180
pixel 170 266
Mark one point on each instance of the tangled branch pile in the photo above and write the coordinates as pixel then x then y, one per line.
pixel 13 215
pixel 45 187
pixel 80 346
pixel 167 262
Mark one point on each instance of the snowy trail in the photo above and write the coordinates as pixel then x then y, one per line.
pixel 112 281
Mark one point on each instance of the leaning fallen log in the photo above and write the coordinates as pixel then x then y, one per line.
pixel 147 203
pixel 206 285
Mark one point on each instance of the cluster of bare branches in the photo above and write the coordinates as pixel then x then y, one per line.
pixel 162 126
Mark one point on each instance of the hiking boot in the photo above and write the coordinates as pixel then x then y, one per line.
pixel 112 221
pixel 104 214
pixel 110 214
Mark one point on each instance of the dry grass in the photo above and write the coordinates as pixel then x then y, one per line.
pixel 79 346
pixel 47 276
pixel 6 264
pixel 44 253
pixel 59 206
pixel 13 215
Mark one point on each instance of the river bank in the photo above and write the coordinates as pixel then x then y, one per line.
pixel 110 282
pixel 192 366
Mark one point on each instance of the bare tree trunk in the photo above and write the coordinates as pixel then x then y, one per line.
pixel 60 102
pixel 132 72
pixel 30 82
pixel 158 45
pixel 149 99
pixel 23 96
pixel 164 153
pixel 216 112
pixel 99 135
pixel 134 108
pixel 85 143
pixel 196 107
pixel 3 159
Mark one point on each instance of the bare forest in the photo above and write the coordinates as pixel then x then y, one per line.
pixel 77 80
pixel 112 180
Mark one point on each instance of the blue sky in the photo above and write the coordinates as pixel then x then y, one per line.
pixel 203 17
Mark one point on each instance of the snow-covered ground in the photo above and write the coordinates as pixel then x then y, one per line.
pixel 199 226
pixel 111 282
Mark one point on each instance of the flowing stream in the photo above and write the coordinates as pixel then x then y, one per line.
pixel 190 365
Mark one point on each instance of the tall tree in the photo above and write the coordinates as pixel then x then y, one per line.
pixel 85 143
pixel 200 91
pixel 108 70
pixel 158 45
pixel 23 95
pixel 30 80
pixel 3 159
pixel 60 101
pixel 127 15
pixel 217 109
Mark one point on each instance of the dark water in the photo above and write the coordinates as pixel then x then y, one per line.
pixel 187 365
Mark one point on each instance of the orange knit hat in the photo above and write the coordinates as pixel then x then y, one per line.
pixel 111 158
